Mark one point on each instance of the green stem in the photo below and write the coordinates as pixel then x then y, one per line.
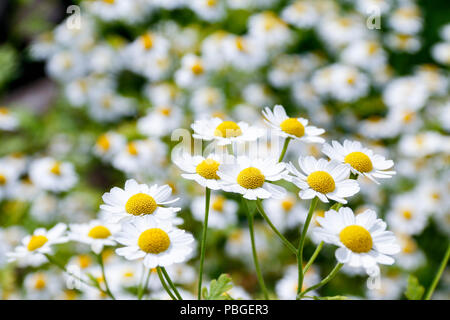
pixel 255 257
pixel 278 233
pixel 164 284
pixel 438 274
pixel 102 266
pixel 313 257
pixel 203 243
pixel 327 279
pixel 166 275
pixel 144 286
pixel 285 146
pixel 302 243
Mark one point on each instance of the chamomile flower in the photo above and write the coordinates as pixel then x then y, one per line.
pixel 52 175
pixel 253 177
pixel 9 177
pixel 286 287
pixel 42 285
pixel 410 256
pixel 363 239
pixel 323 179
pixel 361 160
pixel 192 72
pixel 285 213
pixel 294 128
pixel 34 247
pixel 8 121
pixel 157 243
pixel 160 121
pixel 95 233
pixel 406 215
pixel 225 132
pixel 108 145
pixel 222 212
pixel 138 200
pixel 202 170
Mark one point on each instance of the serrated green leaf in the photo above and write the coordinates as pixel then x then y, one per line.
pixel 218 288
pixel 414 291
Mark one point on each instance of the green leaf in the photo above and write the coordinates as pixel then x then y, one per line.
pixel 331 298
pixel 218 288
pixel 414 291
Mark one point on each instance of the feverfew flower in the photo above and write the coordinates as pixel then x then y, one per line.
pixel 294 128
pixel 52 175
pixel 363 239
pixel 225 132
pixel 109 144
pixel 95 233
pixel 222 212
pixel 8 121
pixel 34 247
pixel 252 177
pixel 157 243
pixel 138 200
pixel 361 160
pixel 323 179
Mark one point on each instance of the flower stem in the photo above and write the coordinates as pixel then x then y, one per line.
pixel 313 257
pixel 164 284
pixel 438 274
pixel 203 243
pixel 278 233
pixel 285 146
pixel 102 266
pixel 144 286
pixel 302 243
pixel 327 279
pixel 255 257
pixel 174 288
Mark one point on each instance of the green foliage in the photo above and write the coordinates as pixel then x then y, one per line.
pixel 218 289
pixel 9 62
pixel 414 290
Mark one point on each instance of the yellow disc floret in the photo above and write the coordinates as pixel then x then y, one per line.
pixel 2 180
pixel 356 238
pixel 293 126
pixel 40 282
pixel 359 161
pixel 154 241
pixel 140 203
pixel 228 129
pixel 56 168
pixel 103 142
pixel 218 203
pixel 251 178
pixel 36 242
pixel 321 181
pixel 208 169
pixel 287 204
pixel 197 68
pixel 147 41
pixel 99 232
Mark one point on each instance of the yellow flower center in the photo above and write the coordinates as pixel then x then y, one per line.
pixel 4 111
pixel 84 261
pixel 287 204
pixel 211 3
pixel 2 180
pixel 103 142
pixel 359 161
pixel 56 169
pixel 321 181
pixel 131 147
pixel 36 242
pixel 197 68
pixel 317 214
pixel 109 1
pixel 165 111
pixel 228 129
pixel 147 41
pixel 293 126
pixel 356 238
pixel 40 282
pixel 218 203
pixel 99 232
pixel 140 203
pixel 250 178
pixel 128 274
pixel 409 246
pixel 208 169
pixel 240 43
pixel 407 214
pixel 154 241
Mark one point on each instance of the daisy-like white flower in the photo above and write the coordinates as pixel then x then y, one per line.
pixel 225 132
pixel 95 233
pixel 294 128
pixel 109 144
pixel 202 170
pixel 8 121
pixel 222 213
pixel 252 177
pixel 158 243
pixel 138 200
pixel 34 247
pixel 50 174
pixel 323 179
pixel 363 239
pixel 361 160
